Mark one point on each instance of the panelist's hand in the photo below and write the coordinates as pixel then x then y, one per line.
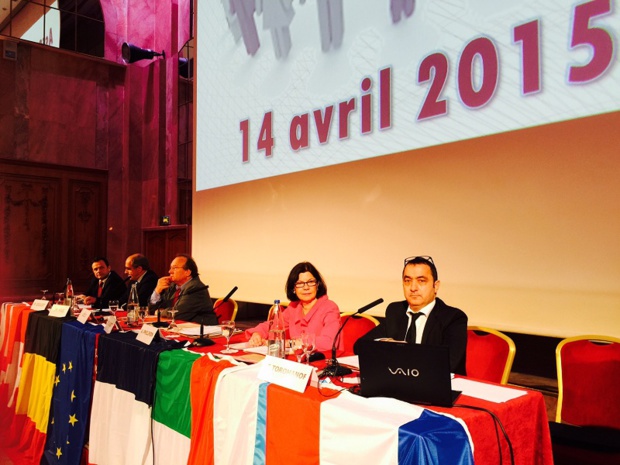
pixel 88 300
pixel 256 340
pixel 162 284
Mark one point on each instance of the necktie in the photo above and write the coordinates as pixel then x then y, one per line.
pixel 100 289
pixel 175 299
pixel 411 333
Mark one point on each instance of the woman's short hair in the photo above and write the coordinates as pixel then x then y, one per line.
pixel 293 277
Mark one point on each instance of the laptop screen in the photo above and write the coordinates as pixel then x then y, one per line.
pixel 416 373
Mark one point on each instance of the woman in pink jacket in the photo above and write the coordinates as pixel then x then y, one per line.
pixel 310 309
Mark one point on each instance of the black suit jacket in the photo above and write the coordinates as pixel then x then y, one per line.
pixel 194 303
pixel 146 286
pixel 113 289
pixel 446 326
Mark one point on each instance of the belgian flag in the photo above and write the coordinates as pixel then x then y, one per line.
pixel 36 384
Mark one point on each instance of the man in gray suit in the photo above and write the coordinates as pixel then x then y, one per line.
pixel 182 290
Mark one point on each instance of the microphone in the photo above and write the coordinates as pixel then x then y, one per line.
pixel 205 341
pixel 333 368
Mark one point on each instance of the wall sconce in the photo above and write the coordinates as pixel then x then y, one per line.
pixel 132 53
pixel 164 221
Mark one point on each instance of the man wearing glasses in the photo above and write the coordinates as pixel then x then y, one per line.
pixel 422 318
pixel 182 290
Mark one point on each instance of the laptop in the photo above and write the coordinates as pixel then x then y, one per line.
pixel 415 373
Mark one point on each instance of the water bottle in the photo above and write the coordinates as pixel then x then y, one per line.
pixel 69 295
pixel 277 332
pixel 133 306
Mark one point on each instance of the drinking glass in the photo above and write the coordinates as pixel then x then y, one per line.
pixel 142 312
pixel 44 291
pixel 297 346
pixel 173 324
pixel 228 328
pixel 308 341
pixel 113 305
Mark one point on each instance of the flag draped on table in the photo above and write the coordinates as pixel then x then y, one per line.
pixel 120 427
pixel 246 421
pixel 72 394
pixel 401 433
pixel 205 373
pixel 36 383
pixel 172 411
pixel 13 323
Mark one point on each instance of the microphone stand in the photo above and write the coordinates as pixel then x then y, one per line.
pixel 333 367
pixel 203 341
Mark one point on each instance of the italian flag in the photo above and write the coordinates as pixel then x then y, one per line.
pixel 172 412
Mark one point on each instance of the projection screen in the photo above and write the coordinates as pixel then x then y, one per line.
pixel 353 134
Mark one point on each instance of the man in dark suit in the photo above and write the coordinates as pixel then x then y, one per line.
pixel 106 285
pixel 140 273
pixel 182 290
pixel 423 318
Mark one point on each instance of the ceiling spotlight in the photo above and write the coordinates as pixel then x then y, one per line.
pixel 132 53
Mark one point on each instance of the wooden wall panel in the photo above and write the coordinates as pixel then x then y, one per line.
pixel 53 223
pixel 162 244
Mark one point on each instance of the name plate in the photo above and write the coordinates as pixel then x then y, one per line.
pixel 146 334
pixel 39 304
pixel 109 324
pixel 59 311
pixel 84 315
pixel 285 373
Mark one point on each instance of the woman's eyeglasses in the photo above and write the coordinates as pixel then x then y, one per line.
pixel 301 284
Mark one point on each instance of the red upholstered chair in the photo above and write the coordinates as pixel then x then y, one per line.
pixel 355 328
pixel 588 381
pixel 587 427
pixel 490 354
pixel 225 310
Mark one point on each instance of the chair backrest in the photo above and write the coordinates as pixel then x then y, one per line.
pixel 588 379
pixel 354 329
pixel 490 354
pixel 225 310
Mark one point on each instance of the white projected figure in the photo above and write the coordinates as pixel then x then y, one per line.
pixel 331 23
pixel 244 10
pixel 277 16
pixel 232 20
pixel 398 7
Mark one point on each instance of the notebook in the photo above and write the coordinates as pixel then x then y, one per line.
pixel 416 373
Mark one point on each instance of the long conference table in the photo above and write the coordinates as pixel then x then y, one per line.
pixel 71 394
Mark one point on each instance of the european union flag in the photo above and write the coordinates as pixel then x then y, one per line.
pixel 72 394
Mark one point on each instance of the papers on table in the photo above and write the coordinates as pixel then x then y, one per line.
pixel 246 348
pixel 490 392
